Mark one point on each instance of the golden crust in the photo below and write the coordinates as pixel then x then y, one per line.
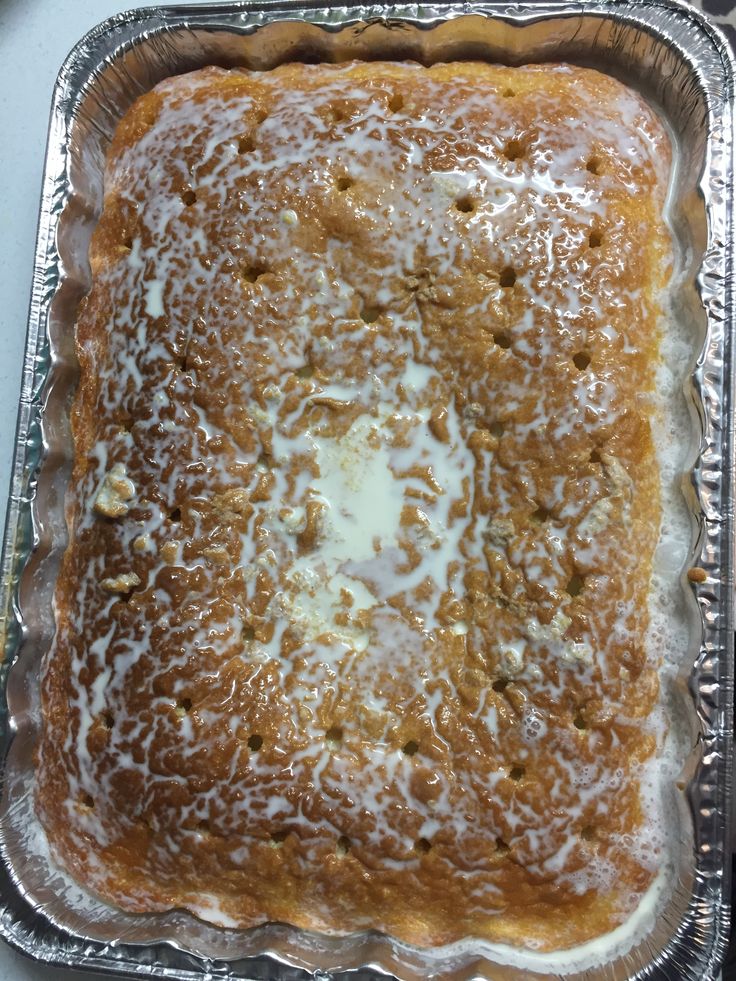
pixel 473 769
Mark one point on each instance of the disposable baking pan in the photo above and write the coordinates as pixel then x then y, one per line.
pixel 683 65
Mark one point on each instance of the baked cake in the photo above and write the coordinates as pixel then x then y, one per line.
pixel 352 626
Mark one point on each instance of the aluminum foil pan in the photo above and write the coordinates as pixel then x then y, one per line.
pixel 684 66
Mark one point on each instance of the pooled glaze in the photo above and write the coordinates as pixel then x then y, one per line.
pixel 352 627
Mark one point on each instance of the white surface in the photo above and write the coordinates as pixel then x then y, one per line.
pixel 35 38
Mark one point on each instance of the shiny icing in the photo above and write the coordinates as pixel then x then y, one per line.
pixel 358 464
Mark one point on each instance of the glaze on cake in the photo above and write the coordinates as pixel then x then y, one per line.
pixel 352 623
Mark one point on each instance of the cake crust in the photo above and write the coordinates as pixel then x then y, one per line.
pixel 352 626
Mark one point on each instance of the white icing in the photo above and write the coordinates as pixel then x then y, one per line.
pixel 376 509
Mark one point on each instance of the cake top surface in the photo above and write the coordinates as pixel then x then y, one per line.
pixel 365 503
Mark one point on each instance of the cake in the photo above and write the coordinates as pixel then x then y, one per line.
pixel 353 623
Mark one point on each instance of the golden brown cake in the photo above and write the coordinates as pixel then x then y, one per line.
pixel 352 626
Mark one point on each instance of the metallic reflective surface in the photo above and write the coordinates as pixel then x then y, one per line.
pixel 685 68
